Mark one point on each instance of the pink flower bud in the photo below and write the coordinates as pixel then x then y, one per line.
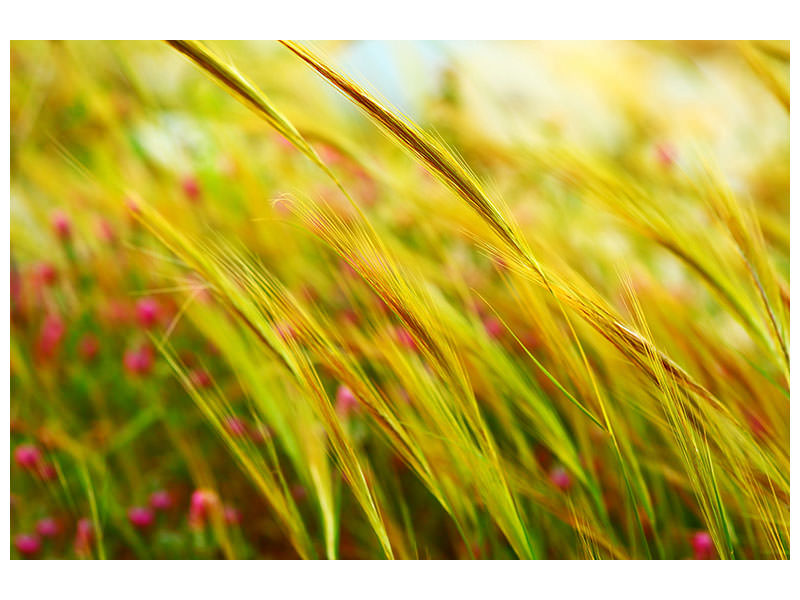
pixel 61 224
pixel 48 527
pixel 138 361
pixel 235 426
pixel 560 478
pixel 27 544
pixel 191 188
pixel 140 517
pixel 200 378
pixel 161 500
pixel 104 231
pixel 666 154
pixel 88 347
pixel 50 336
pixel 47 471
pixel 84 528
pixel 346 402
pixel 405 338
pixel 493 327
pixel 203 501
pixel 232 515
pixel 147 312
pixel 703 545
pixel 27 456
pixel 132 204
pixel 84 534
pixel 46 273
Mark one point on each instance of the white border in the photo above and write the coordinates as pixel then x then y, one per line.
pixel 410 19
pixel 406 19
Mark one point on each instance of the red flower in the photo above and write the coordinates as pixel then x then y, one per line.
pixel 232 516
pixel 27 544
pixel 88 347
pixel 235 426
pixel 50 336
pixel 138 361
pixel 46 273
pixel 141 517
pixel 703 545
pixel 200 378
pixel 147 312
pixel 346 401
pixel 48 527
pixel 27 456
pixel 161 500
pixel 191 188
pixel 493 327
pixel 200 506
pixel 560 478
pixel 405 338
pixel 84 534
pixel 61 224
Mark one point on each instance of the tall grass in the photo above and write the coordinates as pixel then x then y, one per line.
pixel 433 372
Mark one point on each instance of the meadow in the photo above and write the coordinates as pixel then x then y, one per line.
pixel 408 300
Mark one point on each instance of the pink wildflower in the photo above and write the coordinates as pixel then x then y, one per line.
pixel 346 402
pixel 703 545
pixel 147 312
pixel 61 224
pixel 27 544
pixel 560 478
pixel 140 517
